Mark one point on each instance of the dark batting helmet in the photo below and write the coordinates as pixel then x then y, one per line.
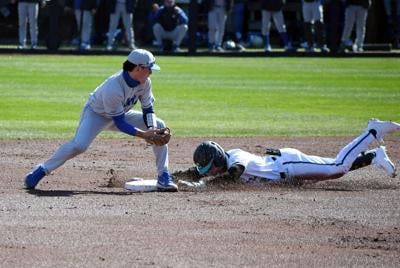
pixel 207 154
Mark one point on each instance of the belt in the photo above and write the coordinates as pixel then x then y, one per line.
pixel 275 153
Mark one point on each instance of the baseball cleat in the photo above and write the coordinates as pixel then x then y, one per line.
pixel 383 161
pixel 382 127
pixel 165 183
pixel 33 178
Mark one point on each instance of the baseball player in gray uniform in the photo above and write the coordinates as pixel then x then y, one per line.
pixel 355 14
pixel 109 108
pixel 217 15
pixel 28 11
pixel 84 11
pixel 272 9
pixel 291 165
pixel 313 16
pixel 121 9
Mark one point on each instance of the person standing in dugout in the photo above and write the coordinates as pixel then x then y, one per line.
pixel 355 17
pixel 217 14
pixel 313 15
pixel 121 9
pixel 272 9
pixel 28 12
pixel 109 107
pixel 84 11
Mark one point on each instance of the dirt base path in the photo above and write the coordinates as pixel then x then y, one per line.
pixel 75 219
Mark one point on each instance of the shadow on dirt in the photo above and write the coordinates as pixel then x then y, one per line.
pixel 66 193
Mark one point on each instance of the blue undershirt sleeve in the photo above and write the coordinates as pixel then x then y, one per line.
pixel 124 126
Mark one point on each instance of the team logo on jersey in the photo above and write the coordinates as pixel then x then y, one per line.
pixel 130 102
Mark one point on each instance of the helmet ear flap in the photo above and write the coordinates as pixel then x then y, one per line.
pixel 219 157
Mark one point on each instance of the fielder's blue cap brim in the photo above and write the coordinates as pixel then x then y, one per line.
pixel 155 67
pixel 205 169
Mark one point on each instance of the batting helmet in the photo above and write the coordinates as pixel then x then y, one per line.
pixel 207 154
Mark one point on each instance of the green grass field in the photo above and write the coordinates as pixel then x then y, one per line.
pixel 42 96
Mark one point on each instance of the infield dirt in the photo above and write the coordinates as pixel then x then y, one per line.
pixel 80 216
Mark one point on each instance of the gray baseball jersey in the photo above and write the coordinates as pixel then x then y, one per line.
pixel 114 97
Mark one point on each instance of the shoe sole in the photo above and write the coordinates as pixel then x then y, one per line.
pixel 162 189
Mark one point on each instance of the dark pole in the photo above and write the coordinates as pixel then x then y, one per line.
pixel 192 26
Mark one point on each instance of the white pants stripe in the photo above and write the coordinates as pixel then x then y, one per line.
pixel 298 165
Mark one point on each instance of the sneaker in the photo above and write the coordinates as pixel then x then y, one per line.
pixel 219 49
pixel 267 49
pixel 310 50
pixel 176 49
pixel 382 160
pixel 324 49
pixel 85 46
pixel 109 48
pixel 290 48
pixel 33 178
pixel 165 183
pixel 382 127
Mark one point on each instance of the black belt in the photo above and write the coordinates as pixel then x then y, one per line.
pixel 275 154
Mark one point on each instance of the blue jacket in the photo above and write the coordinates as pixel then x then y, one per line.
pixel 170 18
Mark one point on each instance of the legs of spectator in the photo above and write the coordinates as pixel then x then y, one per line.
pixel 22 23
pixel 265 27
pixel 281 27
pixel 127 19
pixel 320 36
pixel 212 29
pixel 78 20
pixel 159 33
pixel 178 35
pixel 238 11
pixel 361 19
pixel 349 20
pixel 267 45
pixel 33 13
pixel 87 23
pixel 308 31
pixel 221 20
pixel 114 20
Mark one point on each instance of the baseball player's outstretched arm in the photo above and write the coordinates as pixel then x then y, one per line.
pixel 232 175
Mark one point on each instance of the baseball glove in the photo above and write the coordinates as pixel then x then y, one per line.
pixel 161 137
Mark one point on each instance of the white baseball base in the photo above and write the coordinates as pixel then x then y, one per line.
pixel 141 185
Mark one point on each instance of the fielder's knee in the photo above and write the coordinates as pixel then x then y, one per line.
pixel 79 148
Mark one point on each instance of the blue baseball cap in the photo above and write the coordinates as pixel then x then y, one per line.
pixel 143 58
